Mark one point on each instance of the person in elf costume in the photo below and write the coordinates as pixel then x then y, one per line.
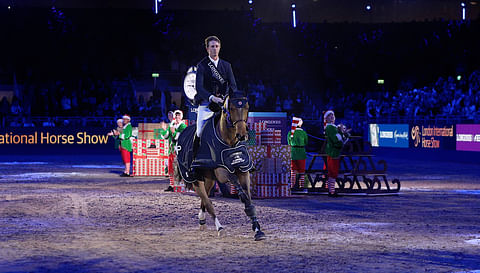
pixel 175 128
pixel 336 137
pixel 298 140
pixel 115 133
pixel 164 130
pixel 126 144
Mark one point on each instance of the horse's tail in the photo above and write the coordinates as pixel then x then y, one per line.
pixel 178 177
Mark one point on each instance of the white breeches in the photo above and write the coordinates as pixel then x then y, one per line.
pixel 203 114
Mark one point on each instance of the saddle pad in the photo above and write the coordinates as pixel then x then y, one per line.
pixel 213 152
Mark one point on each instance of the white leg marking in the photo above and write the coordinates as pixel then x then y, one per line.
pixel 217 224
pixel 201 215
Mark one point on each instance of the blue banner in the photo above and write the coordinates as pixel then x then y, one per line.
pixel 388 135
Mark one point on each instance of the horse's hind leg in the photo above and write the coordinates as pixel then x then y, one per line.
pixel 245 196
pixel 201 217
pixel 243 188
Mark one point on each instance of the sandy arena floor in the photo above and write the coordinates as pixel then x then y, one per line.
pixel 82 217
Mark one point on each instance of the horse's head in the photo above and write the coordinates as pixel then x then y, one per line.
pixel 236 111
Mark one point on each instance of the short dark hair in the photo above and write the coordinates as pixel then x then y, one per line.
pixel 211 38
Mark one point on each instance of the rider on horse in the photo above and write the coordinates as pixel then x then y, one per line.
pixel 222 154
pixel 214 79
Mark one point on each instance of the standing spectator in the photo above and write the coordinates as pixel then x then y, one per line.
pixel 16 109
pixel 335 140
pixel 126 144
pixel 176 127
pixel 4 110
pixel 287 105
pixel 48 123
pixel 66 105
pixel 278 105
pixel 298 140
pixel 115 133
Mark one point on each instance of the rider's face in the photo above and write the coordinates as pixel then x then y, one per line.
pixel 213 49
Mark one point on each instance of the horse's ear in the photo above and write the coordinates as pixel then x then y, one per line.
pixel 226 102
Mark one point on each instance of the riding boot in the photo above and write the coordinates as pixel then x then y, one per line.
pixel 195 148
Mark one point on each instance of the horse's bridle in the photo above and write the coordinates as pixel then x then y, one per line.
pixel 239 103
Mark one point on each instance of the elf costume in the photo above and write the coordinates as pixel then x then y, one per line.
pixel 164 134
pixel 335 140
pixel 298 140
pixel 117 137
pixel 126 144
pixel 178 127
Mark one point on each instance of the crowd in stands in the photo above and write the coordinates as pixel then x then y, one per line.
pixel 446 97
pixel 92 70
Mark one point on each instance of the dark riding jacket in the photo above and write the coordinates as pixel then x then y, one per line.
pixel 207 85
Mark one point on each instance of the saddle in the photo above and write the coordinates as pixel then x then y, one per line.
pixel 212 153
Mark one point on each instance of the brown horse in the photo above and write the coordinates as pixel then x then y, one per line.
pixel 232 128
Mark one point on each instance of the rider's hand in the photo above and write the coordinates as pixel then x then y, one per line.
pixel 216 99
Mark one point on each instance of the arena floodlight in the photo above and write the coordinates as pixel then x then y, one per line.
pixel 294 16
pixel 250 2
pixel 368 7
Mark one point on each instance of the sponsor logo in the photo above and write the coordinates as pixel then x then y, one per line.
pixel 386 134
pixel 468 138
pixel 430 137
pixel 416 136
pixel 397 135
pixel 237 158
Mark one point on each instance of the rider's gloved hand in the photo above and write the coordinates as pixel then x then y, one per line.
pixel 215 99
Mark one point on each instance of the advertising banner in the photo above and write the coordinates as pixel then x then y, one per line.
pixel 388 135
pixel 20 140
pixel 273 120
pixel 468 137
pixel 432 136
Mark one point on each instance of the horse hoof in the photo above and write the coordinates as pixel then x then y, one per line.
pixel 260 236
pixel 222 232
pixel 203 227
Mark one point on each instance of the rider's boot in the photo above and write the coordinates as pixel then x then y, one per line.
pixel 196 146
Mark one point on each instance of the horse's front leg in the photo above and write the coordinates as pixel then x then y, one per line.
pixel 245 196
pixel 201 189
